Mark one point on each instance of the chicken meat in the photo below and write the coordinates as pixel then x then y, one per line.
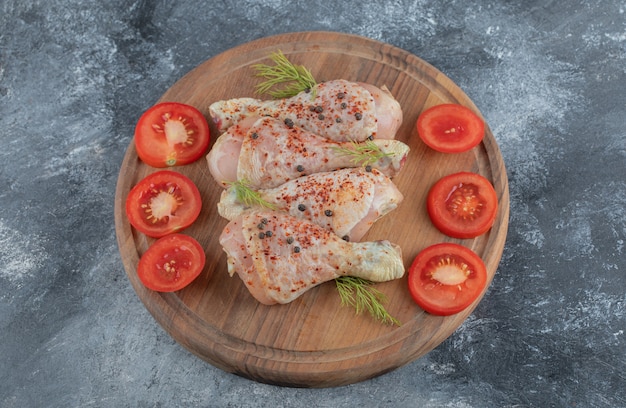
pixel 266 152
pixel 346 202
pixel 279 257
pixel 339 110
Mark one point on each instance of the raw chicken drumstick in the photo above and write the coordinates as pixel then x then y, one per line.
pixel 338 110
pixel 279 257
pixel 346 202
pixel 268 153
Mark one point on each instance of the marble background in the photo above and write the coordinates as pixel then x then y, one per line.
pixel 548 76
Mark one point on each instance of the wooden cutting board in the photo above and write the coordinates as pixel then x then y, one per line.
pixel 314 341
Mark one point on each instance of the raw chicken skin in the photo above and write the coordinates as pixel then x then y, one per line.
pixel 388 111
pixel 340 110
pixel 224 155
pixel 279 257
pixel 346 202
pixel 272 153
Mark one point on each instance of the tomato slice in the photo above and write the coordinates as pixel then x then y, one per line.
pixel 171 263
pixel 462 205
pixel 446 278
pixel 171 134
pixel 162 203
pixel 450 128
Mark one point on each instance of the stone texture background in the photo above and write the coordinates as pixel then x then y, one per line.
pixel 549 77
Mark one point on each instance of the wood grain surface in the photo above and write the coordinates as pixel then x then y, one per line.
pixel 314 341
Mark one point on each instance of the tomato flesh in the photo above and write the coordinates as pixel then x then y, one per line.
pixel 462 205
pixel 446 278
pixel 171 263
pixel 162 203
pixel 450 128
pixel 171 134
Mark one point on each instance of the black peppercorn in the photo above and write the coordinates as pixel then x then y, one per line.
pixel 290 240
pixel 261 235
pixel 300 168
pixel 289 123
pixel 254 135
pixel 344 105
pixel 341 95
pixel 368 168
pixel 301 207
pixel 296 249
pixel 320 116
pixel 268 233
pixel 319 109
pixel 338 120
pixel 358 116
pixel 346 238
pixel 328 213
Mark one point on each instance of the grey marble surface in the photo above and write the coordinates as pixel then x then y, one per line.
pixel 548 76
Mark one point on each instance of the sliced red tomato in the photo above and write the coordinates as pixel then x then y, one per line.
pixel 171 263
pixel 446 278
pixel 450 128
pixel 162 203
pixel 171 134
pixel 462 205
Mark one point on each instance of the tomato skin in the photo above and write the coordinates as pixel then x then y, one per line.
pixel 162 203
pixel 171 134
pixel 446 261
pixel 450 128
pixel 462 205
pixel 171 263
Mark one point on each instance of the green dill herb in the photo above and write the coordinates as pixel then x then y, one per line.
pixel 295 78
pixel 360 294
pixel 248 196
pixel 363 154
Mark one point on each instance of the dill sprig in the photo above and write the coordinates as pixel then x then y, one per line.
pixel 248 196
pixel 296 77
pixel 360 294
pixel 363 154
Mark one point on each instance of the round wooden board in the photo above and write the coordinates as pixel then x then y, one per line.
pixel 314 341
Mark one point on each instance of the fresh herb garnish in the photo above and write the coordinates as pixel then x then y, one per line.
pixel 363 154
pixel 248 196
pixel 296 77
pixel 360 294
